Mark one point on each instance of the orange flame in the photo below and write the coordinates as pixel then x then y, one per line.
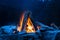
pixel 30 27
pixel 20 23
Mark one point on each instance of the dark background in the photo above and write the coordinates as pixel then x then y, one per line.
pixel 43 11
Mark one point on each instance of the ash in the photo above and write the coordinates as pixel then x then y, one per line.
pixel 9 32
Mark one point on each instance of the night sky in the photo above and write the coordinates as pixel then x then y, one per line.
pixel 47 11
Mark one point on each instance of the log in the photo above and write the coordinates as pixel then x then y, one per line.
pixel 26 15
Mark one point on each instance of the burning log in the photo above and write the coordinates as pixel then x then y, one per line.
pixel 26 15
pixel 26 23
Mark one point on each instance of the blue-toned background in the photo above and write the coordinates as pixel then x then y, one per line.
pixel 45 11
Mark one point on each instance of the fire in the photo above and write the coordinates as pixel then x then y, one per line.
pixel 29 27
pixel 20 23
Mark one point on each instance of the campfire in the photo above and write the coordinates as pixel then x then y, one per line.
pixel 26 23
pixel 26 30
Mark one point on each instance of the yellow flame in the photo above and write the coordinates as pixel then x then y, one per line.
pixel 20 23
pixel 30 27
